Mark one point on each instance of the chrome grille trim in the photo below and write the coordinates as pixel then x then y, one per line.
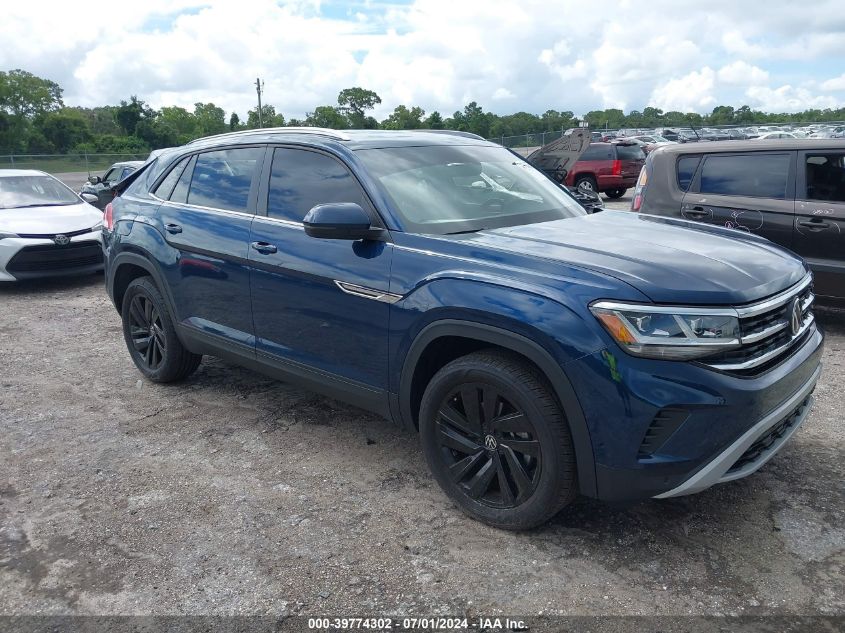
pixel 760 360
pixel 759 336
pixel 776 301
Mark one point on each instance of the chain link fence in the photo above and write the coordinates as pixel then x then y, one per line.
pixel 66 163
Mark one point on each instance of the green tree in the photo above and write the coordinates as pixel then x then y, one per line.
pixel 23 96
pixel 65 129
pixel 328 117
pixel 434 121
pixel 404 119
pixel 354 103
pixel 130 113
pixel 269 118
pixel 210 119
pixel 234 122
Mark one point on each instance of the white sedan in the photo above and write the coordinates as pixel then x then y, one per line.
pixel 775 135
pixel 46 229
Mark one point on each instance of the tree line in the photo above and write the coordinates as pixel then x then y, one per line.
pixel 35 120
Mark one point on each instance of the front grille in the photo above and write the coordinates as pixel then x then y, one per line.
pixel 766 332
pixel 768 439
pixel 51 257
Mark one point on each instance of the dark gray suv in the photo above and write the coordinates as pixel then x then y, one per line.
pixel 789 191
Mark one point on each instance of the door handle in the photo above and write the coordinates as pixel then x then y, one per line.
pixel 814 225
pixel 264 248
pixel 696 212
pixel 173 228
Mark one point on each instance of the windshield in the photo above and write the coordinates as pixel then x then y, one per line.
pixel 463 188
pixel 34 191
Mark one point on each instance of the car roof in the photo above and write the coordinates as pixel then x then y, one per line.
pixel 352 139
pixel 754 145
pixel 22 172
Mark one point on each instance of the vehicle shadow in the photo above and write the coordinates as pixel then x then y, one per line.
pixel 50 284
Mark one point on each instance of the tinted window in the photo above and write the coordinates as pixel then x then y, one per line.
pixel 180 192
pixel 686 170
pixel 597 152
pixel 301 179
pixel 222 179
pixel 629 152
pixel 165 187
pixel 112 175
pixel 756 175
pixel 826 177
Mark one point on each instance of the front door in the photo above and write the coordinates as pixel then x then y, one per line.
pixel 206 217
pixel 319 305
pixel 820 218
pixel 751 192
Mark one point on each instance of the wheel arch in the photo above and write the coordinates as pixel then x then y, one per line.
pixel 480 336
pixel 127 266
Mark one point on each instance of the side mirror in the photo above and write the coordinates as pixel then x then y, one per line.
pixel 90 198
pixel 94 180
pixel 340 221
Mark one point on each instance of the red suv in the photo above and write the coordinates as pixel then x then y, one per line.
pixel 611 168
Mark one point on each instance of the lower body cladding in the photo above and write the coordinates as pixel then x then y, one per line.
pixel 24 258
pixel 664 429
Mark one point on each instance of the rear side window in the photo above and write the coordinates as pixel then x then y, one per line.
pixel 180 192
pixel 165 187
pixel 686 170
pixel 597 152
pixel 222 179
pixel 629 152
pixel 754 175
pixel 301 179
pixel 826 177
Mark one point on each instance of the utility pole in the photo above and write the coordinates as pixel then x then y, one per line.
pixel 259 86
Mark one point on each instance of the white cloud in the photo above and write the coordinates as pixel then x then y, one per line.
pixel 439 54
pixel 787 98
pixel 693 91
pixel 740 73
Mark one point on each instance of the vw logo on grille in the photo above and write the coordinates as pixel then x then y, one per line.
pixel 61 240
pixel 490 442
pixel 796 318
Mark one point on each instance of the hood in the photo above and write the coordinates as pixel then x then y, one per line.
pixel 670 261
pixel 49 220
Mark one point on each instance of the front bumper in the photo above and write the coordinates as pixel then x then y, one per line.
pixel 661 428
pixel 755 447
pixel 34 258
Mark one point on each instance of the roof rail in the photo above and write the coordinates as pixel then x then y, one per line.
pixel 318 131
pixel 455 133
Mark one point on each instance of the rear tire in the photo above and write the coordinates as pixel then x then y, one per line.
pixel 587 183
pixel 150 334
pixel 615 193
pixel 497 441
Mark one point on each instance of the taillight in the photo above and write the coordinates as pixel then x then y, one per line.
pixel 108 217
pixel 642 181
pixel 617 168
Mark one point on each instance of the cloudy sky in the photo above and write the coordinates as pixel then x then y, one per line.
pixel 508 55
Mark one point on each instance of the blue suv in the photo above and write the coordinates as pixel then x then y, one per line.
pixel 441 281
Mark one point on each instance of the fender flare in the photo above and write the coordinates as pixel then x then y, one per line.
pixel 136 259
pixel 524 346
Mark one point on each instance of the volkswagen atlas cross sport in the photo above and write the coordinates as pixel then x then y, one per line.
pixel 539 351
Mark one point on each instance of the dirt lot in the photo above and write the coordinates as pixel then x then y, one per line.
pixel 234 494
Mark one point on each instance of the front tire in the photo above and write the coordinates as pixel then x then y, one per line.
pixel 497 441
pixel 151 336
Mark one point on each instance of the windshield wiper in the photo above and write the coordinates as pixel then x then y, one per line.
pixel 466 231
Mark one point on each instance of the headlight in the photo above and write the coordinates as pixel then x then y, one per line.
pixel 4 235
pixel 669 333
pixel 97 227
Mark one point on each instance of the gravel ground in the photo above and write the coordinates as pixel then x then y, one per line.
pixel 235 494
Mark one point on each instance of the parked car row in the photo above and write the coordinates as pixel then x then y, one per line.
pixel 694 135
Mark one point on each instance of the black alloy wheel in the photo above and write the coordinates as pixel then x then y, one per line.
pixel 488 445
pixel 147 332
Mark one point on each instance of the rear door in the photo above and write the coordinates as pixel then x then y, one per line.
pixel 320 306
pixel 752 192
pixel 820 218
pixel 632 159
pixel 206 217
